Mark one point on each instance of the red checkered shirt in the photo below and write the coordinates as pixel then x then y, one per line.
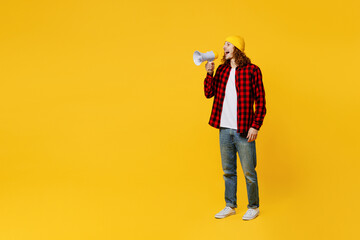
pixel 250 90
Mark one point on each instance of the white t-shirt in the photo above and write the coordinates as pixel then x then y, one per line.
pixel 229 110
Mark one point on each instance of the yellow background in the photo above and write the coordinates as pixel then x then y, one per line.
pixel 104 124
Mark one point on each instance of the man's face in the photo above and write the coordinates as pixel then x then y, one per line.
pixel 228 50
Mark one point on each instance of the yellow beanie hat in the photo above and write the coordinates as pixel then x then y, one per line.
pixel 237 41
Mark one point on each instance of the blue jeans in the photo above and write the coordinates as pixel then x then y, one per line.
pixel 230 143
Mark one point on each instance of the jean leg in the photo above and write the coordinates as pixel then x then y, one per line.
pixel 228 160
pixel 247 154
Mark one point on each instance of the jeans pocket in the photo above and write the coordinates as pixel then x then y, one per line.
pixel 244 134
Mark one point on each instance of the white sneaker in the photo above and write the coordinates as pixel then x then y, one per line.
pixel 251 214
pixel 227 211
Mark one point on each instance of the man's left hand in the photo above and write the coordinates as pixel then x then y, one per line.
pixel 252 134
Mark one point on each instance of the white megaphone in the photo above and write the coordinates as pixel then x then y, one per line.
pixel 201 57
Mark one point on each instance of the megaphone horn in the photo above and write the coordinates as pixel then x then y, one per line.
pixel 201 57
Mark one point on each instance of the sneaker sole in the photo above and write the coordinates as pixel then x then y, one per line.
pixel 220 217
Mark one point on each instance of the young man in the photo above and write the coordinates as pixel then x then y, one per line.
pixel 236 86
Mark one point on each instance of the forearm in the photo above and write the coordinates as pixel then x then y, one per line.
pixel 260 112
pixel 209 86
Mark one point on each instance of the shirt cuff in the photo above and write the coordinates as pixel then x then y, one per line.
pixel 256 126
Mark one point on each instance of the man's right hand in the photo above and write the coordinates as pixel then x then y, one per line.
pixel 209 66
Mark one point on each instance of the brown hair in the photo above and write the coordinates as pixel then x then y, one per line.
pixel 240 58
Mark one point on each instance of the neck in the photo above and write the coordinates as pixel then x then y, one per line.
pixel 232 63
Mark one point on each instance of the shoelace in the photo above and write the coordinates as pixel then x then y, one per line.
pixel 251 211
pixel 226 209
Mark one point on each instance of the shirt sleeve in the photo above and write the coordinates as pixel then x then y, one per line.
pixel 260 102
pixel 210 84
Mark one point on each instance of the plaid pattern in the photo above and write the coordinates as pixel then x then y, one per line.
pixel 250 90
